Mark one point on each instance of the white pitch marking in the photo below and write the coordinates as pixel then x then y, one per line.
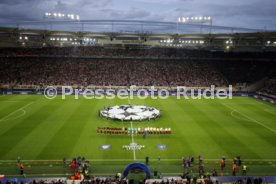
pixel 120 160
pixel 20 109
pixel 273 165
pixel 132 139
pixel 15 117
pixel 10 101
pixel 253 120
pixel 270 111
pixel 128 100
pixel 132 136
pixel 261 102
pixel 240 118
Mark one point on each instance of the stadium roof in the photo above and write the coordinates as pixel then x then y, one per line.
pixel 128 26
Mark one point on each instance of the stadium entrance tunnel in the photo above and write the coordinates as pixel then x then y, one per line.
pixel 137 166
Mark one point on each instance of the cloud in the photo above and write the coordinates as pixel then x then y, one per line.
pixel 245 13
pixel 131 14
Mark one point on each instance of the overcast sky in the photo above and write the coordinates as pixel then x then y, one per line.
pixel 238 13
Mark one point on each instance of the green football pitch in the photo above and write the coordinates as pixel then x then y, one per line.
pixel 42 132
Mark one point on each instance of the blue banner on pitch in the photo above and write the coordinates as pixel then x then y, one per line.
pixel 105 147
pixel 161 146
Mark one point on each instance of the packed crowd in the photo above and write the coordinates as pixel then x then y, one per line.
pixel 239 71
pixel 270 87
pixel 100 51
pixel 111 72
pixel 100 66
pixel 107 180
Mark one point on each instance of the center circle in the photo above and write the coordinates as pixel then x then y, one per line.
pixel 130 112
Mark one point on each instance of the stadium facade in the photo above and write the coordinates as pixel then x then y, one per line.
pixel 142 34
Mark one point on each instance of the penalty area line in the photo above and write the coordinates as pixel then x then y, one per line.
pixel 19 109
pixel 249 118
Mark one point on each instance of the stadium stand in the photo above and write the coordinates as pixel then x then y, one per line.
pixel 270 87
pixel 117 67
pixel 83 72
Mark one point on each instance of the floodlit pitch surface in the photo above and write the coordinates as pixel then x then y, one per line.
pixel 45 131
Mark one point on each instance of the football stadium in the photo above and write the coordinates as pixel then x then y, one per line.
pixel 99 101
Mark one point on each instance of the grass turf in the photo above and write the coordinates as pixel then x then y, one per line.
pixel 36 128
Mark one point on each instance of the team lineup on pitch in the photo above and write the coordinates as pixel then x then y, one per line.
pixel 70 131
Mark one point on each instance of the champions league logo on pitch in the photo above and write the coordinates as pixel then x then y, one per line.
pixel 133 146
